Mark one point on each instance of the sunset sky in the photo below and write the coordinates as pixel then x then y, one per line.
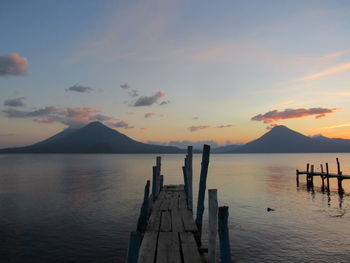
pixel 164 71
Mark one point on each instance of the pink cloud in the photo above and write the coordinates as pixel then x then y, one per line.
pixel 13 64
pixel 276 115
pixel 197 128
pixel 149 114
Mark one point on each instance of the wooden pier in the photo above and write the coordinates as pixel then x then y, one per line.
pixel 166 230
pixel 324 175
pixel 171 231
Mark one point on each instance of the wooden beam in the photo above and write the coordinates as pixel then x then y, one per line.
pixel 202 188
pixel 225 249
pixel 213 224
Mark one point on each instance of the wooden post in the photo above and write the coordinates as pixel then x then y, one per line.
pixel 340 179
pixel 154 183
pixel 297 177
pixel 224 238
pixel 142 222
pixel 213 224
pixel 185 181
pixel 307 173
pixel 158 165
pixel 189 173
pixel 161 182
pixel 312 176
pixel 327 174
pixel 134 247
pixel 322 176
pixel 202 187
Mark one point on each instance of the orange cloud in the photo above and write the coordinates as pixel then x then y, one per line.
pixel 276 115
pixel 149 114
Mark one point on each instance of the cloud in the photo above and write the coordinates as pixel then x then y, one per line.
pixel 149 114
pixel 71 116
pixel 79 88
pixel 165 102
pixel 13 113
pixel 131 91
pixel 330 71
pixel 197 128
pixel 13 64
pixel 123 124
pixel 276 115
pixel 224 126
pixel 7 134
pixel 17 102
pixel 148 101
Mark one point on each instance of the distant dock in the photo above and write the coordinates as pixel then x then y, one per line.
pixel 166 230
pixel 324 175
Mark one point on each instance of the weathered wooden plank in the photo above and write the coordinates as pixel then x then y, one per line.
pixel 182 200
pixel 165 222
pixel 189 248
pixel 166 204
pixel 147 252
pixel 154 221
pixel 187 219
pixel 176 221
pixel 168 248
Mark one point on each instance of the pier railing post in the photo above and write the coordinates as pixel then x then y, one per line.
pixel 189 175
pixel 158 165
pixel 322 176
pixel 213 224
pixel 297 177
pixel 185 180
pixel 327 174
pixel 340 179
pixel 202 188
pixel 225 249
pixel 154 182
pixel 161 182
pixel 134 247
pixel 142 222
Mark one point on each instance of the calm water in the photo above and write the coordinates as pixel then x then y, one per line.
pixel 81 208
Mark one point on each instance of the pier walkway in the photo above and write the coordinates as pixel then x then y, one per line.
pixel 171 230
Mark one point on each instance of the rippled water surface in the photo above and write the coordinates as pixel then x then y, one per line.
pixel 81 208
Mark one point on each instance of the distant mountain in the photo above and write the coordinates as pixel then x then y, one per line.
pixel 92 138
pixel 281 139
pixel 225 149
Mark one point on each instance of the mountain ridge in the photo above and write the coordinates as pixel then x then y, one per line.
pixel 92 138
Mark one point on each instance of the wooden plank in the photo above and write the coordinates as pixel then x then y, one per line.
pixel 168 248
pixel 189 248
pixel 176 221
pixel 154 221
pixel 148 248
pixel 182 200
pixel 187 219
pixel 165 222
pixel 165 206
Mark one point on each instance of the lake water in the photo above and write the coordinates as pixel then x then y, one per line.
pixel 81 208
